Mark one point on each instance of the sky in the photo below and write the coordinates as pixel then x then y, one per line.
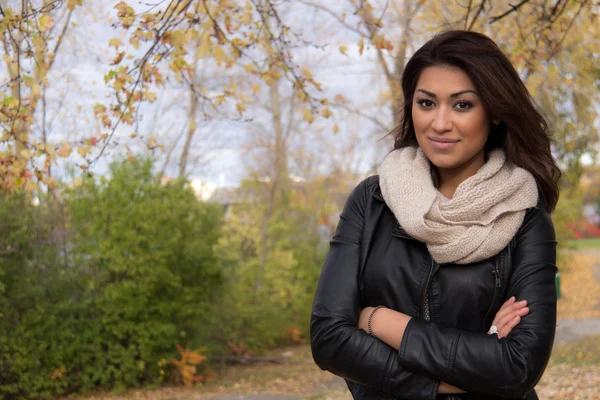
pixel 83 60
pixel 77 84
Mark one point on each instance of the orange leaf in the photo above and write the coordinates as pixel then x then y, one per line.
pixel 65 150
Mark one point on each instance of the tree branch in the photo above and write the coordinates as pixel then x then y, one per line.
pixel 479 10
pixel 334 15
pixel 360 113
pixel 508 12
pixel 371 25
pixel 60 39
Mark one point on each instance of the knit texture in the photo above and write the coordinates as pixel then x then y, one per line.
pixel 480 220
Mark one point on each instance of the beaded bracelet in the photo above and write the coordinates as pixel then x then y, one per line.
pixel 369 320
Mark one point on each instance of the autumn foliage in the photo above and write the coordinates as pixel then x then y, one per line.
pixel 111 271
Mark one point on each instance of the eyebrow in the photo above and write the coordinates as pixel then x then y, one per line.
pixel 452 95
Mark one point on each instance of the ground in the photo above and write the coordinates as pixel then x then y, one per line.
pixel 573 372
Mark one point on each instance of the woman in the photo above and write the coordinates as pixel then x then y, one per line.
pixel 440 279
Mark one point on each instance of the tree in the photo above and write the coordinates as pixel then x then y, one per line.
pixel 32 35
pixel 247 37
pixel 541 37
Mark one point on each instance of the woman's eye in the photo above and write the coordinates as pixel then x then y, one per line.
pixel 425 103
pixel 463 105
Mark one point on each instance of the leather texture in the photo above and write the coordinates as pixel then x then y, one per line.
pixel 372 261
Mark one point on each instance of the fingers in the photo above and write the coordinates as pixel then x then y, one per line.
pixel 506 326
pixel 507 303
pixel 509 326
pixel 509 316
pixel 510 309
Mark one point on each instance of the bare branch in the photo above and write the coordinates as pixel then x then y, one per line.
pixel 557 46
pixel 468 13
pixel 479 10
pixel 334 15
pixel 508 12
pixel 60 39
pixel 364 115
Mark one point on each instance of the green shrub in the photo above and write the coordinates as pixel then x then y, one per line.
pixel 134 277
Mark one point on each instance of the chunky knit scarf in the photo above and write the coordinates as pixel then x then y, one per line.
pixel 480 220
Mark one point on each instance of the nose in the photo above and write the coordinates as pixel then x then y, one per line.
pixel 442 121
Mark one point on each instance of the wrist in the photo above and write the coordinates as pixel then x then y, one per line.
pixel 370 328
pixel 389 326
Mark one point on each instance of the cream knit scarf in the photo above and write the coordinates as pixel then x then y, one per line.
pixel 479 221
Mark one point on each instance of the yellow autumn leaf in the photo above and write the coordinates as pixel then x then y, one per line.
pixel 45 22
pixel 71 4
pixel 344 50
pixel 326 112
pixel 246 18
pixel 308 115
pixel 26 154
pixel 219 54
pixel 250 68
pixel 28 80
pixel 115 42
pixel 84 151
pixel 134 42
pixel 118 58
pixel 204 45
pixel 240 108
pixel 65 150
pixel 361 46
pixel 307 73
pixel 150 96
pixel 336 129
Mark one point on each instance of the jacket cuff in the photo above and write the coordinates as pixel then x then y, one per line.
pixel 431 353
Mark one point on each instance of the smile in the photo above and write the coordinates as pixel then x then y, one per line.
pixel 442 144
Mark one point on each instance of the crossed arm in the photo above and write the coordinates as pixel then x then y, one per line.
pixel 422 354
pixel 389 326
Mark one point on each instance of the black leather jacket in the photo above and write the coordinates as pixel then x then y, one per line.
pixel 372 261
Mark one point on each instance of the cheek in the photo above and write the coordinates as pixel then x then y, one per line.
pixel 419 120
pixel 476 127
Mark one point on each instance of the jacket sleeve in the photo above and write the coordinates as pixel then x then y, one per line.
pixel 477 362
pixel 337 344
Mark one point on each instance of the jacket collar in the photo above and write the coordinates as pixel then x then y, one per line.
pixel 377 194
pixel 398 230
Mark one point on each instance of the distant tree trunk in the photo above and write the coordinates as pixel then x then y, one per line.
pixel 192 114
pixel 277 175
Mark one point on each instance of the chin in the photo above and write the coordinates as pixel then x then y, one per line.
pixel 443 161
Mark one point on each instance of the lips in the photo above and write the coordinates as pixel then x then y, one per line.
pixel 442 143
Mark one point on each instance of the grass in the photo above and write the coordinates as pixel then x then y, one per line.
pixel 583 352
pixel 584 244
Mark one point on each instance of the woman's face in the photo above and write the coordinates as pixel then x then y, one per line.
pixel 450 121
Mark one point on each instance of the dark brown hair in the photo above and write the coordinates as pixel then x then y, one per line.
pixel 522 133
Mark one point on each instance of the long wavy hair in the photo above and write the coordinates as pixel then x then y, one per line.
pixel 523 132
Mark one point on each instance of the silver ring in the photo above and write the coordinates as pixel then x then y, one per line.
pixel 493 330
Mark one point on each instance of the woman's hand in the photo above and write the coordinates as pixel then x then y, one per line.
pixel 445 388
pixel 509 316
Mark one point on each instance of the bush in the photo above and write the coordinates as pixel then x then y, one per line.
pixel 134 277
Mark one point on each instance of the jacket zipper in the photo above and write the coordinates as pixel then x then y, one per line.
pixel 425 314
pixel 497 286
